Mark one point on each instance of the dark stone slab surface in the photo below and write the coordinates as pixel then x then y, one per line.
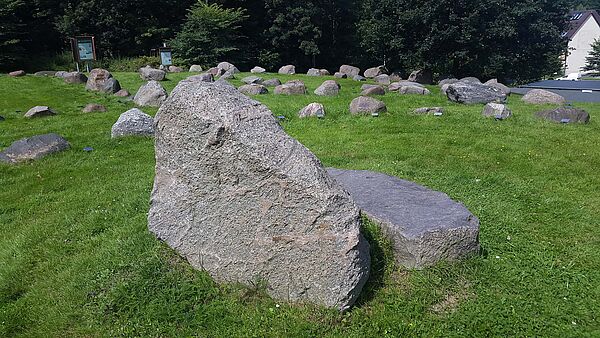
pixel 33 148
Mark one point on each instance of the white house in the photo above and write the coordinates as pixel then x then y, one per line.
pixel 584 27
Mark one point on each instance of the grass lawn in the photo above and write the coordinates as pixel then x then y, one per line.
pixel 76 258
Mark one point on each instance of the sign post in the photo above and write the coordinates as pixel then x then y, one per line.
pixel 166 57
pixel 84 50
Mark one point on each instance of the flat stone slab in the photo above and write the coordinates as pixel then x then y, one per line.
pixel 426 226
pixel 33 148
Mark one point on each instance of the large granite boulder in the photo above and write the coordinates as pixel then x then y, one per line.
pixel 498 111
pixel 447 81
pixel 292 87
pixel 421 76
pixel 328 88
pixel 395 86
pixel 152 74
pixel 253 89
pixel 17 73
pixel 367 105
pixel 471 92
pixel 229 75
pixel 133 122
pixel 496 84
pixel 541 96
pixel 271 82
pixel 373 90
pixel 350 71
pixel 383 79
pixel 410 89
pixel 228 67
pixel 258 70
pixel 195 69
pixel 425 226
pixel 216 72
pixel 252 79
pixel 313 72
pixel 239 198
pixel 470 79
pixel 375 71
pixel 152 94
pixel 204 77
pixel 33 148
pixel 565 115
pixel 340 75
pixel 289 69
pixel 313 109
pixel 101 80
pixel 175 69
pixel 75 78
pixel 39 111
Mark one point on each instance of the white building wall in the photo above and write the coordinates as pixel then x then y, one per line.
pixel 581 45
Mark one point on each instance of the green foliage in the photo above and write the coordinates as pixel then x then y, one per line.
pixel 592 61
pixel 129 64
pixel 12 33
pixel 209 35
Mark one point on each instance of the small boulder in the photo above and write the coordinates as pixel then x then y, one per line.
pixel 328 88
pixel 313 109
pixel 252 79
pixel 359 78
pixel 350 71
pixel 133 122
pixel 122 93
pixel 395 86
pixel 229 75
pixel 75 78
pixel 565 115
pixel 175 69
pixel 17 73
pixel 410 89
pixel 447 81
pixel 494 83
pixel 45 73
pixel 216 72
pixel 33 148
pixel 373 90
pixel 374 72
pixel 195 69
pixel 395 77
pixel 151 74
pixel 204 77
pixel 61 74
pixel 367 105
pixel 289 69
pixel 258 70
pixel 497 110
pixel 421 76
pixel 39 111
pixel 324 72
pixel 226 67
pixel 429 110
pixel 470 92
pixel 271 83
pixel 101 80
pixel 94 107
pixel 151 94
pixel 313 72
pixel 253 89
pixel 293 87
pixel 383 79
pixel 340 75
pixel 470 79
pixel 541 96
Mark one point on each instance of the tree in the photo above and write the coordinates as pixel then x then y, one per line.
pixel 592 61
pixel 12 34
pixel 210 34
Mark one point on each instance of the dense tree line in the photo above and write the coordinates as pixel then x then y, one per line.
pixel 510 39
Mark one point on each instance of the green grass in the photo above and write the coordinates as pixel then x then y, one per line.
pixel 76 258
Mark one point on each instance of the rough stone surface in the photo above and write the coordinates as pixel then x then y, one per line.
pixel 151 94
pixel 395 86
pixel 383 79
pixel 410 89
pixel 429 110
pixel 367 105
pixel 229 75
pixel 101 80
pixel 471 92
pixel 61 74
pixel 447 81
pixel 133 122
pixel 94 107
pixel 122 93
pixel 271 82
pixel 151 74
pixel 444 88
pixel 253 89
pixel 565 115
pixel 350 71
pixel 45 73
pixel 324 72
pixel 425 226
pixel 33 148
pixel 375 71
pixel 313 72
pixel 421 76
pixel 313 109
pixel 497 110
pixel 195 69
pixel 228 67
pixel 328 88
pixel 359 78
pixel 471 79
pixel 395 77
pixel 373 90
pixel 17 73
pixel 75 78
pixel 494 83
pixel 252 79
pixel 204 77
pixel 216 72
pixel 289 69
pixel 541 96
pixel 239 198
pixel 39 111
pixel 175 69
pixel 293 87
pixel 340 75
pixel 258 70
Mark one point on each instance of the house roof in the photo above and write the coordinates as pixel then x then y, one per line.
pixel 577 19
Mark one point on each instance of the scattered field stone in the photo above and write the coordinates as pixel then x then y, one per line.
pixel 175 69
pixel 410 89
pixel 33 148
pixel 293 87
pixel 395 86
pixel 350 71
pixel 497 110
pixel 133 122
pixel 425 226
pixel 271 82
pixel 75 78
pixel 228 67
pixel 313 109
pixel 239 198
pixel 221 82
pixel 258 70
pixel 429 110
pixel 228 75
pixel 374 72
pixel 313 72
pixel 94 107
pixel 122 93
pixel 494 83
pixel 328 88
pixel 382 79
pixel 324 72
pixel 470 79
pixel 289 69
pixel 541 96
pixel 395 77
pixel 367 86
pixel 45 73
pixel 252 79
pixel 61 74
pixel 340 75
pixel 195 69
pixel 253 89
pixel 565 115
pixel 447 81
pixel 204 77
pixel 373 90
pixel 152 74
pixel 359 78
pixel 17 73
pixel 367 105
pixel 151 94
pixel 421 76
pixel 216 72
pixel 101 80
pixel 471 92
pixel 39 111
pixel 444 88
